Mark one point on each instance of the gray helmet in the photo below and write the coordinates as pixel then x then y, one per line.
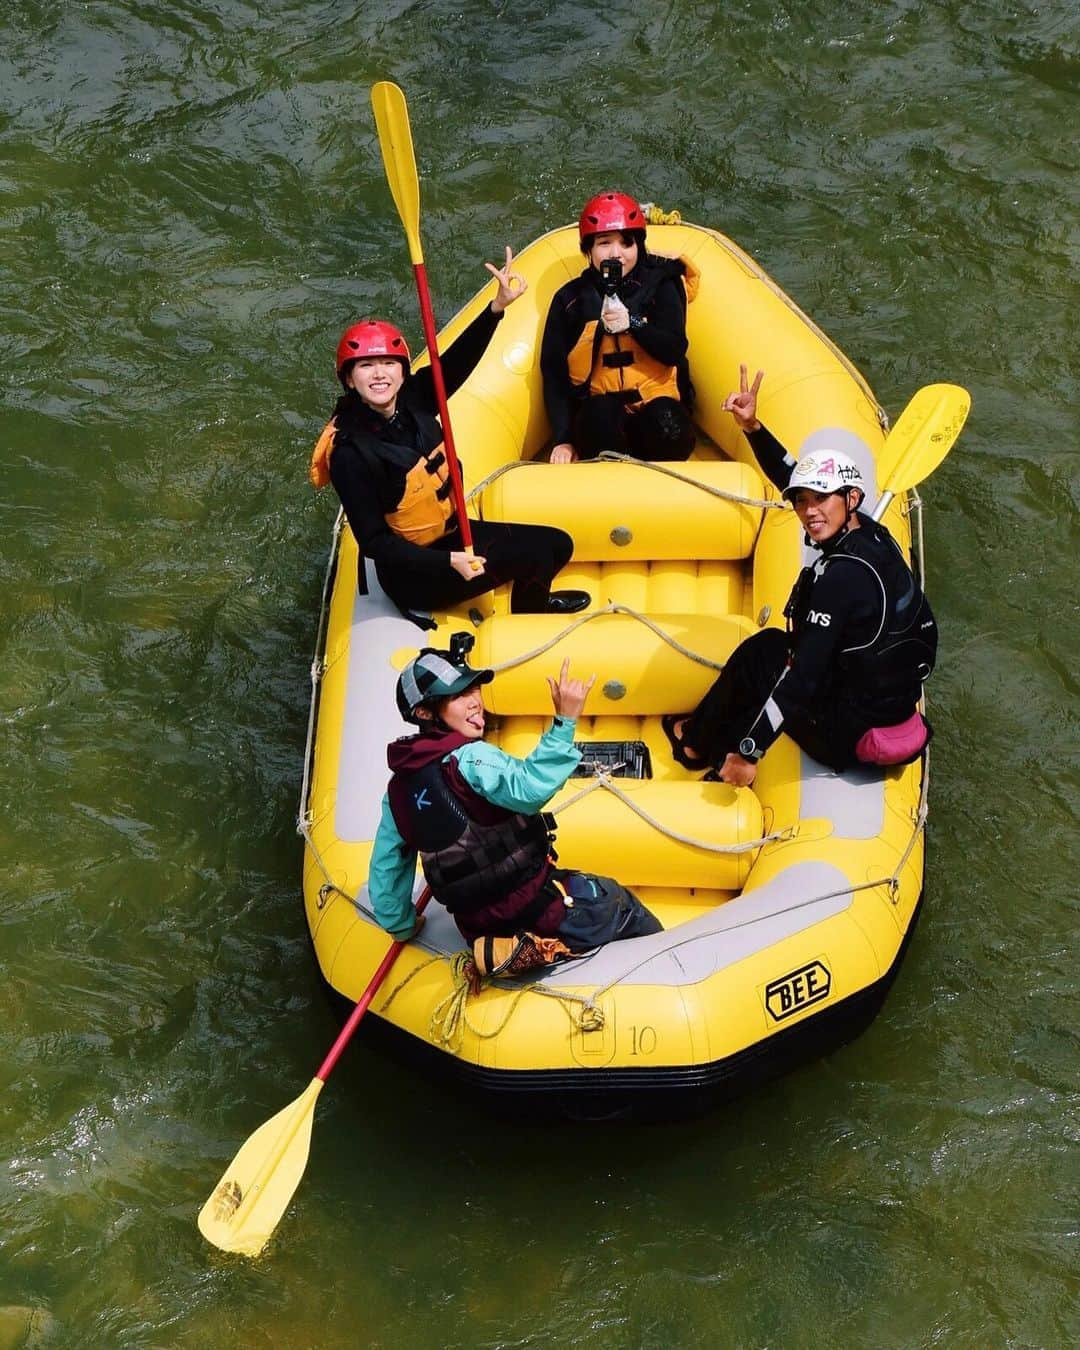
pixel 438 674
pixel 825 471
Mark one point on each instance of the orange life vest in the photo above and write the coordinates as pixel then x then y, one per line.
pixel 319 469
pixel 613 363
pixel 426 503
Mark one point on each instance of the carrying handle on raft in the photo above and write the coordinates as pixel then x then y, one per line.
pixel 921 437
pixel 399 161
pixel 247 1203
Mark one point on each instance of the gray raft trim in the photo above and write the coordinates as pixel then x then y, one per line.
pixel 696 950
pixel 691 952
pixel 371 717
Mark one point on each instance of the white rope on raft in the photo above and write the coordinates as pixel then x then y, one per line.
pixel 318 670
pixel 610 608
pixel 666 469
pixel 616 458
pixel 602 779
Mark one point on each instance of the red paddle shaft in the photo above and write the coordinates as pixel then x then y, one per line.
pixel 338 1048
pixel 427 317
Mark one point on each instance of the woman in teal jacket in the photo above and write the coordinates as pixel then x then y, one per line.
pixel 473 815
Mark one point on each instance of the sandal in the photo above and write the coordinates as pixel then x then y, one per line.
pixel 678 750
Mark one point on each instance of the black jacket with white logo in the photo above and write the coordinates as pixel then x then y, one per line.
pixel 862 634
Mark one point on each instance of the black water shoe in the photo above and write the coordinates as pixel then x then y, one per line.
pixel 567 602
pixel 678 750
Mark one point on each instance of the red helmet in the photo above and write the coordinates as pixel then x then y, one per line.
pixel 610 211
pixel 371 337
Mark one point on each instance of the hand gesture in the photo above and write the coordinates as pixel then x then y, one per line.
pixel 511 284
pixel 743 405
pixel 614 315
pixel 563 454
pixel 569 695
pixel 468 566
pixel 738 771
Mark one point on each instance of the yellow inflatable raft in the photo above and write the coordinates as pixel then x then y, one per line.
pixel 786 907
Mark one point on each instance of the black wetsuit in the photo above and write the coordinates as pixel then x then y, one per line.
pixel 836 674
pixel 662 427
pixel 419 577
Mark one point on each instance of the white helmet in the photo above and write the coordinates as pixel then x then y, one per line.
pixel 825 471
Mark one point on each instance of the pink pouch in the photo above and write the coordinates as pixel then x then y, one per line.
pixel 899 744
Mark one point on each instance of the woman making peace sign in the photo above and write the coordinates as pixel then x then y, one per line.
pixel 383 452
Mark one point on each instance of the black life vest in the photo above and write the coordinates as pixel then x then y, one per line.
pixel 891 665
pixel 467 864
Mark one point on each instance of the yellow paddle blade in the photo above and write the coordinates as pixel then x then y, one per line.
pixel 922 436
pixel 258 1184
pixel 395 142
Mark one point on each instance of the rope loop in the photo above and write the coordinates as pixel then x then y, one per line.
pixel 496 474
pixel 610 608
pixel 592 1017
pixel 656 215
pixel 448 1016
pixel 603 779
pixel 762 503
pixel 616 457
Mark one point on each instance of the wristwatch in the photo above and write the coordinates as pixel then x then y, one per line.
pixel 748 749
pixel 637 322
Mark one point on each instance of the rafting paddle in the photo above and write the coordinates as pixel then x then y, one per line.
pixel 399 161
pixel 921 437
pixel 252 1195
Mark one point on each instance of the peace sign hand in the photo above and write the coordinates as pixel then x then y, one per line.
pixel 743 405
pixel 511 284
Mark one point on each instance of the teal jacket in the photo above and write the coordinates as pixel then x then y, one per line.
pixel 524 785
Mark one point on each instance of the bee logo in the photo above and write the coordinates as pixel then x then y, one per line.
pixel 798 990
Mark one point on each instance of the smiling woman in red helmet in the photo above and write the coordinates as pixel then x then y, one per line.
pixel 614 351
pixel 382 450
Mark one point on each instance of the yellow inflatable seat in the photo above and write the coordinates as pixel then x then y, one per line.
pixel 600 833
pixel 630 512
pixel 638 672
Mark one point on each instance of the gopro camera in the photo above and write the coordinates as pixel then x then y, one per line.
pixel 461 644
pixel 611 271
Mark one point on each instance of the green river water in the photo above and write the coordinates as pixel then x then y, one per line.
pixel 191 208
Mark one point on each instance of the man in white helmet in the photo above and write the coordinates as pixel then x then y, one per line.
pixel 845 679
